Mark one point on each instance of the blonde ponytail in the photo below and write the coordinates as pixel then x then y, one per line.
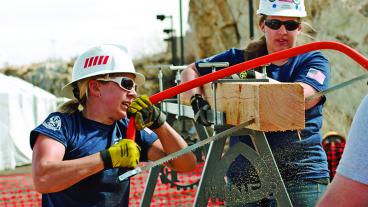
pixel 81 93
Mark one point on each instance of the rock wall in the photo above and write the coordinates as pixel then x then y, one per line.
pixel 217 25
pixel 50 76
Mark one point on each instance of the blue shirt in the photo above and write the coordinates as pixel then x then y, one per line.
pixel 296 160
pixel 82 137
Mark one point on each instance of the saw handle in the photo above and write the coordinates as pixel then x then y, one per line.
pixel 244 66
pixel 131 129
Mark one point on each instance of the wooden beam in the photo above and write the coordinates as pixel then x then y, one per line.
pixel 274 106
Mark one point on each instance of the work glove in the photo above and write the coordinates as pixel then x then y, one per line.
pixel 200 108
pixel 125 153
pixel 146 114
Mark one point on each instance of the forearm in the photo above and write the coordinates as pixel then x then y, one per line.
pixel 190 73
pixel 344 192
pixel 307 90
pixel 171 142
pixel 54 176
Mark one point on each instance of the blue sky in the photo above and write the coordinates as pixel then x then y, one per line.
pixel 34 30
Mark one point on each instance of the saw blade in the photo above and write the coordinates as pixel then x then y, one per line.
pixel 335 87
pixel 226 133
pixel 181 152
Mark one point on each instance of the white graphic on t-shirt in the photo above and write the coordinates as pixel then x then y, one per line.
pixel 116 140
pixel 53 123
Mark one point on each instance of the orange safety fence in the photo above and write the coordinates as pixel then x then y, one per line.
pixel 17 191
pixel 166 195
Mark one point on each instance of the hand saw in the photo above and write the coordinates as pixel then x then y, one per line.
pixel 280 55
pixel 227 133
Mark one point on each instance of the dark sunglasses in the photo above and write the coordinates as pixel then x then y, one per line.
pixel 124 82
pixel 275 24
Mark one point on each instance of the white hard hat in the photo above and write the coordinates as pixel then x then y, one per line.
pixel 286 8
pixel 103 59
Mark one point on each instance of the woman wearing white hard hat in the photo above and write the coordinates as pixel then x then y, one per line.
pixel 298 154
pixel 79 151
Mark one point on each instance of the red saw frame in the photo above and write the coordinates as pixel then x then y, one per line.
pixel 170 92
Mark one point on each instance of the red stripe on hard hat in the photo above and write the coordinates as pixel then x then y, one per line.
pixel 90 62
pixel 106 59
pixel 86 63
pixel 100 60
pixel 95 60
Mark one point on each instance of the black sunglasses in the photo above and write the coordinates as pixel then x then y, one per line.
pixel 124 82
pixel 275 24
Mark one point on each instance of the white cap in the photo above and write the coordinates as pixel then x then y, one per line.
pixel 286 8
pixel 103 59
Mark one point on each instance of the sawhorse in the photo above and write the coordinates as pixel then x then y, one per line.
pixel 212 183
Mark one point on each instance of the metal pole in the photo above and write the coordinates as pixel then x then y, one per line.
pixel 160 84
pixel 173 45
pixel 251 29
pixel 175 62
pixel 181 34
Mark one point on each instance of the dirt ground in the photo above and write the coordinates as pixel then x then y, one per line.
pixel 26 169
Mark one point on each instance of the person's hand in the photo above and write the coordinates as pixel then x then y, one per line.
pixel 200 108
pixel 146 114
pixel 125 153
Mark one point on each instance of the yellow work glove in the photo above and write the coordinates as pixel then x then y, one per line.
pixel 125 153
pixel 145 113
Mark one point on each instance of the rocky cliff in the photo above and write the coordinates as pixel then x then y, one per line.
pixel 217 25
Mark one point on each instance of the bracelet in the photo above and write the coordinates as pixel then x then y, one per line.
pixel 249 74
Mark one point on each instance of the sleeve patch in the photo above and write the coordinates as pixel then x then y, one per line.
pixel 149 131
pixel 53 123
pixel 316 75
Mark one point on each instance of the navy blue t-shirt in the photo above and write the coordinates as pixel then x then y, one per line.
pixel 297 160
pixel 82 137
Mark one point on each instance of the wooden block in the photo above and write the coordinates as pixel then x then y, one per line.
pixel 273 106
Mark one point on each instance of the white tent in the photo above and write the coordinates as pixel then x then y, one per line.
pixel 22 107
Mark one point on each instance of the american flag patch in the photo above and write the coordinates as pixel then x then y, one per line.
pixel 316 75
pixel 148 130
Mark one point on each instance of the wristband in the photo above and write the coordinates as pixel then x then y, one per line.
pixel 106 158
pixel 249 74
